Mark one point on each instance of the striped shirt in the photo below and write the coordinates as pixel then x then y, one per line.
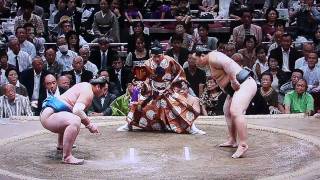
pixel 20 107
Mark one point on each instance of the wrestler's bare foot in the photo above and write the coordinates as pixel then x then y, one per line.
pixel 240 151
pixel 125 127
pixel 230 143
pixel 73 161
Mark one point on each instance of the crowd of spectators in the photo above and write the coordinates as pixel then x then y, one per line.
pixel 48 46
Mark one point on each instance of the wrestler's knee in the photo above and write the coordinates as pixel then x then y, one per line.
pixel 76 121
pixel 235 112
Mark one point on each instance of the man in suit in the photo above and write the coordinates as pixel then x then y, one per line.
pixel 177 52
pixel 103 57
pixel 78 73
pixel 287 55
pixel 32 79
pixel 120 75
pixel 101 105
pixel 51 89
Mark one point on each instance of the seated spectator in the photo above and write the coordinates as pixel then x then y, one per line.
pixel 65 26
pixel 75 14
pixel 64 56
pixel 248 52
pixel 247 28
pixel 20 59
pixel 268 29
pixel 112 87
pixel 84 52
pixel 138 30
pixel 78 74
pixel 311 72
pixel 12 104
pixel 238 58
pixel 51 64
pixel 132 12
pixel 307 48
pixel 177 51
pixel 279 76
pixel 103 56
pixel 73 41
pixel 4 11
pixel 121 105
pixel 230 49
pixel 286 55
pixel 257 105
pixel 261 63
pixel 139 55
pixel 13 78
pixel 28 17
pixel 187 38
pixel 51 89
pixel 283 4
pixel 289 86
pixel 61 10
pixel 195 76
pixel 182 14
pixel 268 93
pixel 316 40
pixel 299 100
pixel 212 99
pixel 201 37
pixel 208 6
pixel 101 105
pixel 119 74
pixel 25 45
pixel 37 41
pixel 276 41
pixel 4 65
pixel 105 23
pixel 64 82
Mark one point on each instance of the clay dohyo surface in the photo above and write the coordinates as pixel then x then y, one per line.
pixel 146 155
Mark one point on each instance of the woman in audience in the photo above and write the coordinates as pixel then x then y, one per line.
pixel 268 29
pixel 268 93
pixel 12 76
pixel 138 28
pixel 132 12
pixel 278 75
pixel 261 63
pixel 212 99
pixel 248 52
pixel 73 41
pixel 140 54
pixel 187 38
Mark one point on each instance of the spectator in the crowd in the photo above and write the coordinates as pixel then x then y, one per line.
pixel 132 12
pixel 230 49
pixel 20 59
pixel 238 58
pixel 51 64
pixel 177 51
pixel 311 72
pixel 25 45
pixel 104 56
pixel 140 53
pixel 208 6
pixel 64 56
pixel 75 14
pixel 308 17
pixel 78 74
pixel 51 89
pixel 283 4
pixel 37 10
pixel 37 41
pixel 4 65
pixel 33 80
pixel 121 105
pixel 212 99
pixel 299 100
pixel 195 76
pixel 101 105
pixel 28 17
pixel 249 51
pixel 286 55
pixel 84 52
pixel 268 29
pixel 202 38
pixel 306 49
pixel 247 28
pixel 73 41
pixel 120 75
pixel 12 104
pixel 187 42
pixel 182 14
pixel 105 22
pixel 64 82
pixel 261 63
pixel 279 76
pixel 316 40
pixel 138 28
pixel 277 41
pixel 268 93
pixel 111 85
pixel 289 86
pixel 13 78
pixel 61 10
pixel 4 11
pixel 223 9
pixel 65 26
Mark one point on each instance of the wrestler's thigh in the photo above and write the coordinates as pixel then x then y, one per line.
pixel 226 106
pixel 57 122
pixel 242 98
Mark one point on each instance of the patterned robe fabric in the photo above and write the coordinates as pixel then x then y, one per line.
pixel 164 108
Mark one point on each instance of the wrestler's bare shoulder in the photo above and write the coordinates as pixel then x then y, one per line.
pixel 217 58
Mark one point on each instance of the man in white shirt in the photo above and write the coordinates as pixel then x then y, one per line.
pixel 25 45
pixel 64 56
pixel 89 66
pixel 307 48
pixel 20 59
pixel 311 73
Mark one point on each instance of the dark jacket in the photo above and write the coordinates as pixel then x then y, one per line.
pixel 27 79
pixel 95 57
pixel 293 56
pixel 126 77
pixel 105 108
pixel 183 55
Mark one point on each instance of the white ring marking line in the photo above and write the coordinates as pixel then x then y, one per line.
pixel 131 154
pixel 187 153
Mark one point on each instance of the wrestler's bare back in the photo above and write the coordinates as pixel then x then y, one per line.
pixel 81 92
pixel 219 63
